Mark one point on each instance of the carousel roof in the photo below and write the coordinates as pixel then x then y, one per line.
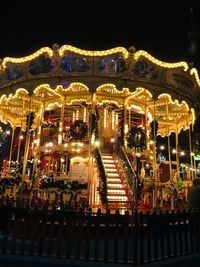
pixel 118 76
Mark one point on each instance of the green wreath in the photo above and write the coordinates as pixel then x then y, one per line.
pixel 136 138
pixel 78 130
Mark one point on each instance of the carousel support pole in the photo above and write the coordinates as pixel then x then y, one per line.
pixel 146 125
pixel 60 136
pixel 11 147
pixel 129 117
pixel 169 145
pixel 40 113
pixel 177 152
pixel 25 160
pixel 35 162
pixel 191 154
pixel 125 125
pixel 154 160
pixel 26 150
pixel 89 197
pixel 19 146
pixel 169 153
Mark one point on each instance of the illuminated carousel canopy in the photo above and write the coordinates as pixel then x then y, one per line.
pixel 116 76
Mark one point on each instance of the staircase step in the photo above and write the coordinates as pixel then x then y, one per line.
pixel 113 175
pixel 116 202
pixel 109 165
pixel 114 186
pixel 113 180
pixel 115 191
pixel 117 198
pixel 111 161
pixel 111 171
pixel 115 194
pixel 107 157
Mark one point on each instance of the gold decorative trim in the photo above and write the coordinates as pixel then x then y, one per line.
pixel 142 53
pixel 27 58
pixel 93 53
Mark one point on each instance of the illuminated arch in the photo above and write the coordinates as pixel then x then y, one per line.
pixel 41 51
pixel 93 53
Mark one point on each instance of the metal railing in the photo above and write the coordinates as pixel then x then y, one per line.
pixel 63 233
pixel 102 175
pixel 129 172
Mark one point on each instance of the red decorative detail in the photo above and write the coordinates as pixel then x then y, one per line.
pixel 50 118
pixel 5 164
pixel 43 164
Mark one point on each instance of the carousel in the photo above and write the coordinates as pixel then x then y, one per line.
pixel 112 129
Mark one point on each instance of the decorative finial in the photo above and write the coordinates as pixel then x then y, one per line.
pixel 55 47
pixel 132 49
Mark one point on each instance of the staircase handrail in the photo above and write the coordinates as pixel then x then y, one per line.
pixel 128 161
pixel 103 175
pixel 131 175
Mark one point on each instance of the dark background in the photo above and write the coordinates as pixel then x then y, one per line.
pixel 162 30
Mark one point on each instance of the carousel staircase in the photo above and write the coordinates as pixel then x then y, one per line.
pixel 117 196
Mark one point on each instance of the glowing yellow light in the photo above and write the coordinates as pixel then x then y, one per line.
pixel 193 115
pixel 77 114
pixel 194 72
pixel 126 128
pixel 111 88
pixel 113 120
pixel 84 115
pixel 182 153
pixel 59 139
pixel 173 151
pixel 93 53
pixel 105 117
pixel 97 143
pixel 43 50
pixel 73 117
pixel 142 53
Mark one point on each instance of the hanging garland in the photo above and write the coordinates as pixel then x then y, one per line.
pixel 136 138
pixel 78 130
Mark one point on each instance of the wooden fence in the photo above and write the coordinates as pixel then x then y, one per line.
pixel 63 233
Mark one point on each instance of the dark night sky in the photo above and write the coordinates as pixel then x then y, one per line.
pixel 162 31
